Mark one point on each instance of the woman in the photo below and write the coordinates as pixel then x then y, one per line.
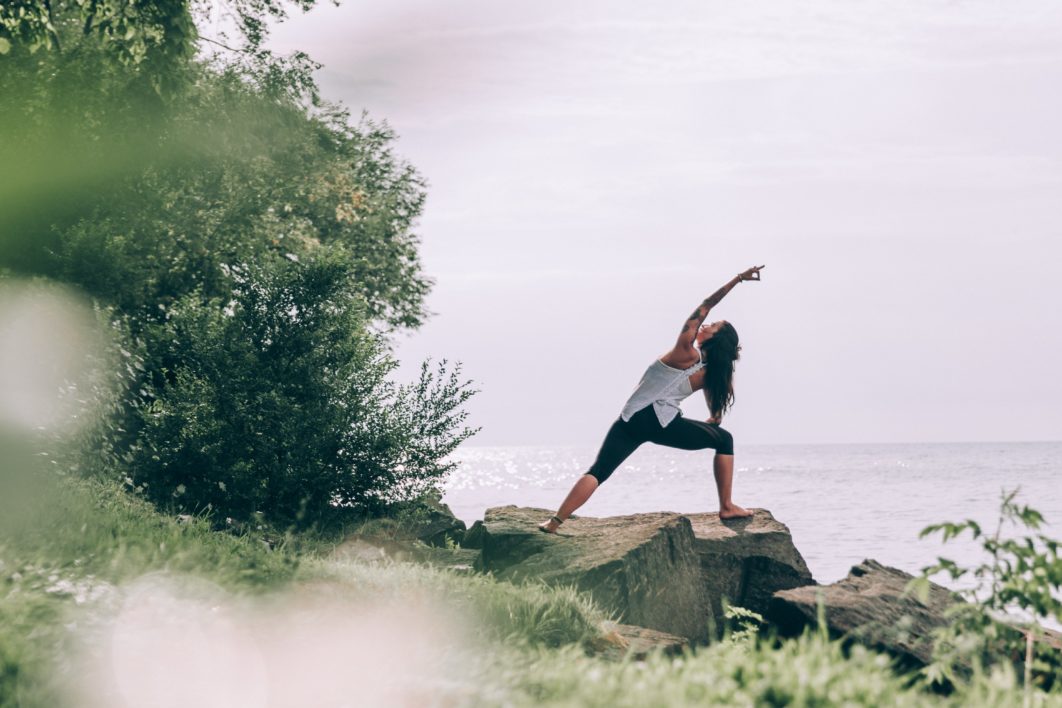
pixel 652 413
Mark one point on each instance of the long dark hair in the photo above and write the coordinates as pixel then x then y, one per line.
pixel 719 354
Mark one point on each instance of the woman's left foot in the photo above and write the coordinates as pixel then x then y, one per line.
pixel 733 511
pixel 548 526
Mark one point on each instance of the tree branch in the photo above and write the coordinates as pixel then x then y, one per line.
pixel 223 45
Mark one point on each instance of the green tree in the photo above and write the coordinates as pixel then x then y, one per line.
pixel 252 245
pixel 279 402
pixel 152 39
pixel 231 173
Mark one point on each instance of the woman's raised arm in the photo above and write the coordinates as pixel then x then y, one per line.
pixel 689 328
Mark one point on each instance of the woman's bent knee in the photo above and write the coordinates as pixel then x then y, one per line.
pixel 726 443
pixel 599 474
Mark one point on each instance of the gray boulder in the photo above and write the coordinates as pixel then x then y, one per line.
pixel 663 571
pixel 431 521
pixel 868 605
pixel 746 560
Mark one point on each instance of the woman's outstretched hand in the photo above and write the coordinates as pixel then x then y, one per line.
pixel 752 273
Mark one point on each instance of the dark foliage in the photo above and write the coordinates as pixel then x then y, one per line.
pixel 278 402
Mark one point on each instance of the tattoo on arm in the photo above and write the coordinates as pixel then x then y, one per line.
pixel 711 301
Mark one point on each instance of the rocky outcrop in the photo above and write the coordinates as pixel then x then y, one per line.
pixel 433 523
pixel 664 571
pixel 642 567
pixel 868 605
pixel 746 560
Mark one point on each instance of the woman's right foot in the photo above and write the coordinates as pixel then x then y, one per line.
pixel 733 511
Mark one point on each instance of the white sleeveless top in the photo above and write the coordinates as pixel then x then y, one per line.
pixel 663 386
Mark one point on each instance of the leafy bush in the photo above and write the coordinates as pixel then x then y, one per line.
pixel 1016 589
pixel 278 402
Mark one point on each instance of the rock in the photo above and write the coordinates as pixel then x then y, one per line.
pixel 643 567
pixel 474 536
pixel 746 560
pixel 432 522
pixel 620 641
pixel 868 605
pixel 662 571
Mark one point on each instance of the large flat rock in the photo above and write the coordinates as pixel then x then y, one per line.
pixel 642 567
pixel 663 570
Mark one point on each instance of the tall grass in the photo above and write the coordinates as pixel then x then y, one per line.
pixel 810 670
pixel 78 541
pixel 511 645
pixel 526 615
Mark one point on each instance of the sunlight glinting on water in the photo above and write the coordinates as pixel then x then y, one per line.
pixel 842 503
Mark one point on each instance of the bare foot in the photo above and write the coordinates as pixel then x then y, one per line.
pixel 733 511
pixel 548 526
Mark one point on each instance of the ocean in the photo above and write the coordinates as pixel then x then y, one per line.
pixel 842 503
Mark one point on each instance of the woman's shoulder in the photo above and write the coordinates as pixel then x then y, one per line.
pixel 681 360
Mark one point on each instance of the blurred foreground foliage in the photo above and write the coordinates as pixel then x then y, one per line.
pixel 63 580
pixel 248 246
pixel 70 542
pixel 1011 596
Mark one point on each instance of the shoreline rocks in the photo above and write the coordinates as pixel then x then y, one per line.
pixel 747 560
pixel 665 578
pixel 663 571
pixel 434 523
pixel 868 605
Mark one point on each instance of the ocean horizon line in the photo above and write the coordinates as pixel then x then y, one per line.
pixel 554 446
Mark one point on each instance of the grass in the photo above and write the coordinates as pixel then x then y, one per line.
pixel 493 643
pixel 78 541
pixel 811 670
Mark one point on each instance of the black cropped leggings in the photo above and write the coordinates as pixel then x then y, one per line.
pixel 624 437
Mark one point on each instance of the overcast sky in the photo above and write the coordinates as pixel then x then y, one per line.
pixel 596 169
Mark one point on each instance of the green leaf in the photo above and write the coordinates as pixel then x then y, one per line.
pixel 919 587
pixel 5 45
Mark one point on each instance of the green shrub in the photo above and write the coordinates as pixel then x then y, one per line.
pixel 1001 621
pixel 278 402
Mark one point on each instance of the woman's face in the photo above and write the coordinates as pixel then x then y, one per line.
pixel 708 331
